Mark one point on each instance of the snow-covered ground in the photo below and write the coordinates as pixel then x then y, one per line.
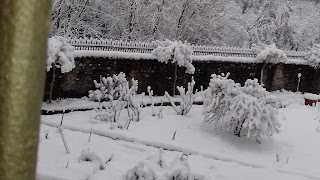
pixel 292 154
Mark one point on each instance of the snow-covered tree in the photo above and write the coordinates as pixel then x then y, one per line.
pixel 285 34
pixel 59 55
pixel 268 54
pixel 187 98
pixel 177 52
pixel 250 4
pixel 265 27
pixel 241 110
pixel 313 56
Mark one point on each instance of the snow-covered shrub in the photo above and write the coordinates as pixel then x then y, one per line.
pixel 186 100
pixel 178 170
pixel 243 110
pixel 157 169
pixel 313 56
pixel 217 97
pixel 108 88
pixel 268 54
pixel 253 88
pixel 175 51
pixel 60 54
pixel 115 94
pixel 87 155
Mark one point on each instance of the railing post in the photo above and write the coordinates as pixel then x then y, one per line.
pixel 24 28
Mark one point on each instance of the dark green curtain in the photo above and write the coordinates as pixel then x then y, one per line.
pixel 24 26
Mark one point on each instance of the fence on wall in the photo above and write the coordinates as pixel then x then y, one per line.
pixel 147 47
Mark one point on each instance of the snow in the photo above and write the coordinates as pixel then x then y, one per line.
pixel 212 154
pixel 311 96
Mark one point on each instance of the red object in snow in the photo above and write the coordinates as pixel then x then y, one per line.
pixel 310 102
pixel 311 99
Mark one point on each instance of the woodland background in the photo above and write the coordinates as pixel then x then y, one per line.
pixel 292 25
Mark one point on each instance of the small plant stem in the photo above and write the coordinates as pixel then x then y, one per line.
pixel 90 135
pixel 174 135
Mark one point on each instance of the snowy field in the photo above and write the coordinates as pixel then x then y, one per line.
pixel 292 154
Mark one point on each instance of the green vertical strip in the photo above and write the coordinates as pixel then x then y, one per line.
pixel 24 28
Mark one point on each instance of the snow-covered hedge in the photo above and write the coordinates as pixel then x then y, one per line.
pixel 60 54
pixel 175 51
pixel 243 110
pixel 313 56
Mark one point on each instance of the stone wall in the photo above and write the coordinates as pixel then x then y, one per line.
pixel 159 76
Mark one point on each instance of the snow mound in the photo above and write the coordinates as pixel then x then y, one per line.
pixel 154 168
pixel 311 96
pixel 87 155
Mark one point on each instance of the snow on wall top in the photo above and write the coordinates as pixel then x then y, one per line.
pixel 102 47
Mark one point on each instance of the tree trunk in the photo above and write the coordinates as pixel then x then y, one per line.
pixel 174 79
pixel 261 75
pixel 52 82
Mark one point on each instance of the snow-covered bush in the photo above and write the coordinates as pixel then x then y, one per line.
pixel 268 54
pixel 217 97
pixel 253 88
pixel 114 94
pixel 176 51
pixel 157 169
pixel 108 88
pixel 243 110
pixel 60 54
pixel 87 155
pixel 313 56
pixel 186 100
